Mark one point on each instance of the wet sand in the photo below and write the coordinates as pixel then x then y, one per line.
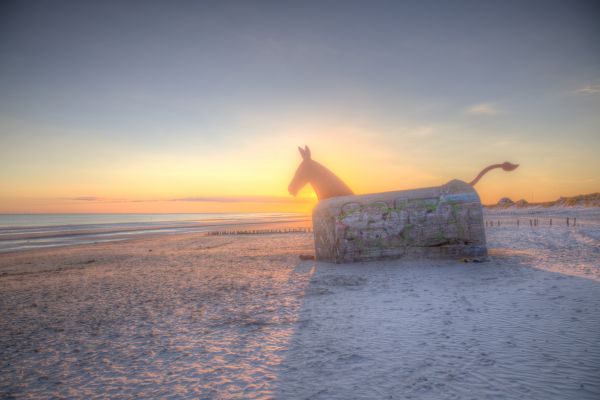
pixel 192 316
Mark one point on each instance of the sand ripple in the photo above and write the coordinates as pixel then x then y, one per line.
pixel 196 318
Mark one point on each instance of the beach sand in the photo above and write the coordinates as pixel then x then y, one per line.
pixel 193 316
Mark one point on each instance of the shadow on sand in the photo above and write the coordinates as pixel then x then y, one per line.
pixel 443 330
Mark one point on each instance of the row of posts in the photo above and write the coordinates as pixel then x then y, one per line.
pixel 532 222
pixel 259 231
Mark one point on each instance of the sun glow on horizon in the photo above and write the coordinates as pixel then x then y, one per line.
pixel 252 175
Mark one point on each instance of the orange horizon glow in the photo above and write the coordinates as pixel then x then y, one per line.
pixel 97 177
pixel 303 206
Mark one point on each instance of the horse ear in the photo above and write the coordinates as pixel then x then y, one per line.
pixel 301 150
pixel 307 152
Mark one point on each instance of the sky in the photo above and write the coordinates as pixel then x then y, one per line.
pixel 181 106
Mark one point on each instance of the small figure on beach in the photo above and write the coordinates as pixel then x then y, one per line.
pixel 327 184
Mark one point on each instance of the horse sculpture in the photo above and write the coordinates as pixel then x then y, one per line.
pixel 440 221
pixel 326 184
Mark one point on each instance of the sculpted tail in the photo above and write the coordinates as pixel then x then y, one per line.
pixel 505 166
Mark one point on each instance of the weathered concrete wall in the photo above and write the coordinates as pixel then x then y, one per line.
pixel 443 221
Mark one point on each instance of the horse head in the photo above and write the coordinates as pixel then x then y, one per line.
pixel 303 173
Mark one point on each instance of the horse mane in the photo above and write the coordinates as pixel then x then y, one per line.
pixel 327 184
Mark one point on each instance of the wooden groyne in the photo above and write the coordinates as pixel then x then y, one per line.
pixel 533 222
pixel 230 232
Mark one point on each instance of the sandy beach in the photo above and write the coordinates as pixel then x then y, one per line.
pixel 223 317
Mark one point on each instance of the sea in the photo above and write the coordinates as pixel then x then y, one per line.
pixel 29 231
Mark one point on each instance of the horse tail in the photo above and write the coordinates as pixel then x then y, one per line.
pixel 505 166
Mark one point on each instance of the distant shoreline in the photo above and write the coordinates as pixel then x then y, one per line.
pixel 26 236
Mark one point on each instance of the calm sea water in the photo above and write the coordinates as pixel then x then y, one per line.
pixel 26 231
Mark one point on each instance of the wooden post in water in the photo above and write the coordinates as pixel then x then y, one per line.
pixel 567 221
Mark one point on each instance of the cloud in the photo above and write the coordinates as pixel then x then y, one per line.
pixel 246 199
pixel 204 199
pixel 422 131
pixel 85 198
pixel 589 90
pixel 484 109
pixel 97 199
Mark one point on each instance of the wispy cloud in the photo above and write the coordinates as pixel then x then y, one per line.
pixel 589 90
pixel 422 131
pixel 202 199
pixel 85 198
pixel 245 199
pixel 484 109
pixel 97 199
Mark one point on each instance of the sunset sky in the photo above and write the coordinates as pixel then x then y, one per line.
pixel 181 106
